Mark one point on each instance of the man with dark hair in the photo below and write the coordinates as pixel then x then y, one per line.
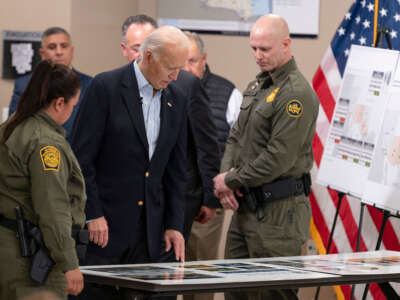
pixel 202 149
pixel 57 47
pixel 225 102
pixel 134 30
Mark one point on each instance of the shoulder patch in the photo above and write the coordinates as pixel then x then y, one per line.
pixel 51 158
pixel 294 108
pixel 271 97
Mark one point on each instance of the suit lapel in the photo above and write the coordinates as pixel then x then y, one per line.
pixel 131 97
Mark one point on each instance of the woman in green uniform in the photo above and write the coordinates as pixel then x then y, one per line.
pixel 40 174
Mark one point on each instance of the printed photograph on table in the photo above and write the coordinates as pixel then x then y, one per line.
pixel 131 270
pixel 172 275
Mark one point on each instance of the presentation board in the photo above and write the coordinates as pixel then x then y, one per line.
pixel 237 17
pixel 382 188
pixel 357 120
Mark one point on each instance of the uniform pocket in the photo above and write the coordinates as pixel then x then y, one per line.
pixel 285 226
pixel 265 110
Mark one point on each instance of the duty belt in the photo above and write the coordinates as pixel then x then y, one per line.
pixel 256 197
pixel 81 236
pixel 286 187
pixel 8 223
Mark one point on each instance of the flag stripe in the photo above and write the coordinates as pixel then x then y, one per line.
pixel 322 227
pixel 358 27
pixel 323 92
pixel 389 240
pixel 318 149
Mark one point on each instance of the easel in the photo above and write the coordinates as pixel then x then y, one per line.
pixel 340 198
pixel 382 30
pixel 386 288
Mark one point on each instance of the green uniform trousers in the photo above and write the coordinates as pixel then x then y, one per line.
pixel 14 271
pixel 282 232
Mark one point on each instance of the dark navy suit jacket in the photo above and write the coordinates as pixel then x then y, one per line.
pixel 22 82
pixel 202 149
pixel 109 140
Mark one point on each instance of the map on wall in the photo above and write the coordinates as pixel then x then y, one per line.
pixel 237 16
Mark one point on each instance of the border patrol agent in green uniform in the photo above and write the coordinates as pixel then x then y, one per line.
pixel 40 174
pixel 268 156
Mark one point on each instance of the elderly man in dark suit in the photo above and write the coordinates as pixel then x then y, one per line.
pixel 57 47
pixel 202 149
pixel 130 140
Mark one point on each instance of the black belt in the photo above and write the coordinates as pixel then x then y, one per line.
pixel 10 224
pixel 286 187
pixel 281 189
pixel 81 236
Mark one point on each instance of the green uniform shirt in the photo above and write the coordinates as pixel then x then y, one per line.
pixel 40 173
pixel 273 135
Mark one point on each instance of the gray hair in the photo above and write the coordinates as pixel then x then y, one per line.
pixel 165 35
pixel 197 39
pixel 137 19
pixel 54 30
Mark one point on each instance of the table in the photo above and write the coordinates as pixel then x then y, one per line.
pixel 229 275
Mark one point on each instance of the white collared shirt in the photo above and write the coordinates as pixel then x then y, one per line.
pixel 151 106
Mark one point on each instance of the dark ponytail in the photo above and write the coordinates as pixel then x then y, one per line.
pixel 48 82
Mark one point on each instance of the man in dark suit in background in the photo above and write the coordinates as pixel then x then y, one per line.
pixel 57 47
pixel 130 140
pixel 202 148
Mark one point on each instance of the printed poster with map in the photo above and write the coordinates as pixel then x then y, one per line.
pixel 383 186
pixel 357 119
pixel 237 16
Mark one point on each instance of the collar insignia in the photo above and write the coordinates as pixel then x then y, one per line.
pixel 271 97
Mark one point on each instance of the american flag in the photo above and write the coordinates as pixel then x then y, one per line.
pixel 359 26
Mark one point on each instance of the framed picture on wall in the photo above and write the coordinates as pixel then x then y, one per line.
pixel 20 52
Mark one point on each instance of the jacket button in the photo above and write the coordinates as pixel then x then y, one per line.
pixel 147 174
pixel 140 203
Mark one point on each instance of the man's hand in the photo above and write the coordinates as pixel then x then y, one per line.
pixel 175 238
pixel 205 214
pixel 228 200
pixel 98 231
pixel 74 282
pixel 219 184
